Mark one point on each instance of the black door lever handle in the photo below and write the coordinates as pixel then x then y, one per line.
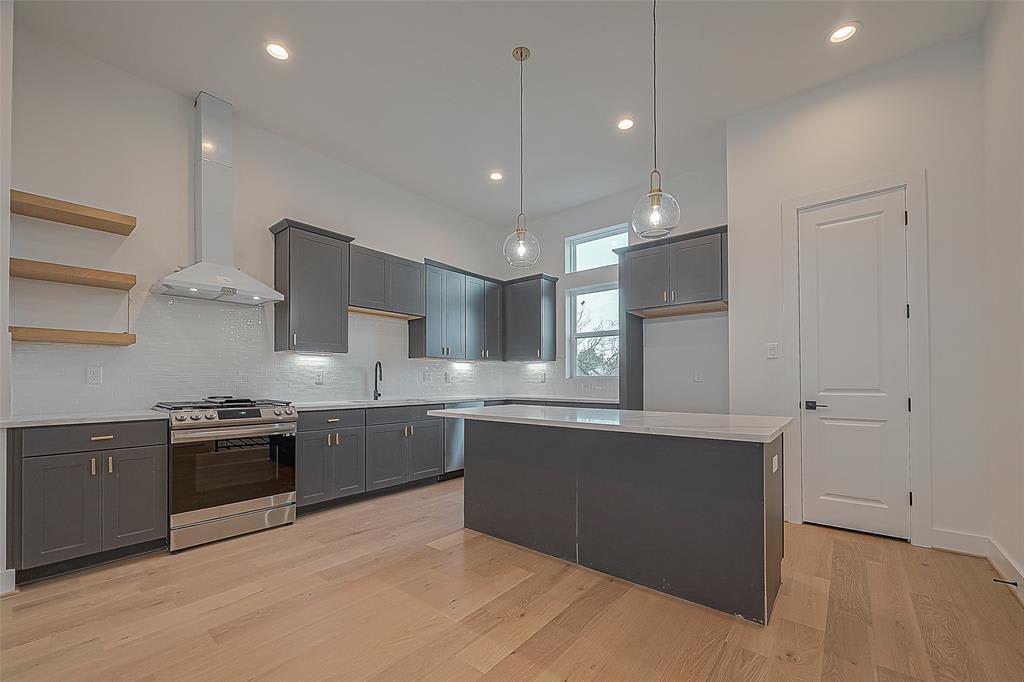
pixel 813 405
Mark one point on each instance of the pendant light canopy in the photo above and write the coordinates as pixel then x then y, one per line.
pixel 521 248
pixel 657 212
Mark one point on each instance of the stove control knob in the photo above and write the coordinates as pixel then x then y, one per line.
pixel 289 410
pixel 278 411
pixel 196 416
pixel 180 417
pixel 210 415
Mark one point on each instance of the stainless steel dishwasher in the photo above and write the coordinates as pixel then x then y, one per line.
pixel 455 437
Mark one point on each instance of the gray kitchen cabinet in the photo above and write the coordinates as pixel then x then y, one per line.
pixel 311 269
pixel 134 495
pixel 647 278
pixel 385 456
pixel 425 444
pixel 381 281
pixel 493 322
pixel 442 331
pixel 329 465
pixel 62 503
pixel 695 268
pixel 530 318
pixel 476 314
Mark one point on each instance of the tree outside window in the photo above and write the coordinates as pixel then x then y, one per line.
pixel 594 336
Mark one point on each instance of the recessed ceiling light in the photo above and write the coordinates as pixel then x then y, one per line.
pixel 843 32
pixel 625 123
pixel 193 289
pixel 255 298
pixel 277 51
pixel 496 175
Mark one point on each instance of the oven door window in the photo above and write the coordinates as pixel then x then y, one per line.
pixel 211 473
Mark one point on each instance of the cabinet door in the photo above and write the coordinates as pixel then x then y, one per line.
pixel 385 456
pixel 426 449
pixel 61 508
pixel 348 462
pixel 476 316
pixel 546 310
pixel 318 292
pixel 313 467
pixel 647 278
pixel 492 321
pixel 696 267
pixel 367 278
pixel 134 495
pixel 522 320
pixel 455 314
pixel 433 325
pixel 405 286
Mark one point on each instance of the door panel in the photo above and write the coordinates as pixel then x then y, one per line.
pixel 368 278
pixel 696 270
pixel 476 314
pixel 318 293
pixel 492 321
pixel 405 286
pixel 455 314
pixel 313 467
pixel 426 449
pixel 522 320
pixel 61 508
pixel 134 495
pixel 434 322
pixel 385 456
pixel 647 278
pixel 348 462
pixel 854 364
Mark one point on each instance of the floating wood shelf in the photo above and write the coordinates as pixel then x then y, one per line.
pixel 682 309
pixel 70 274
pixel 47 335
pixel 382 313
pixel 35 206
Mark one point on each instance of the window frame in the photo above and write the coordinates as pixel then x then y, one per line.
pixel 571 335
pixel 575 240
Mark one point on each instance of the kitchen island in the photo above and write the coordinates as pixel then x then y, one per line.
pixel 687 504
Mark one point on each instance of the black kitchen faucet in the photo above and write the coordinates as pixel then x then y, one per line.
pixel 378 375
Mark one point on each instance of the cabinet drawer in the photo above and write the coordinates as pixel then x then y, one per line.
pixel 403 413
pixel 51 440
pixel 330 419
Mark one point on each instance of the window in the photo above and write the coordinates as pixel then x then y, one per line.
pixel 594 249
pixel 593 331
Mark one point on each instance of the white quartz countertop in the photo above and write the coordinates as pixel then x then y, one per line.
pixel 25 421
pixel 735 427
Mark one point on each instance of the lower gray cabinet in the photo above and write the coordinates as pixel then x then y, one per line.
pixel 385 456
pixel 426 449
pixel 83 503
pixel 330 465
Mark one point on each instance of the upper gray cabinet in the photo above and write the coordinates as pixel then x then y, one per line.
pixel 311 269
pixel 381 281
pixel 483 319
pixel 442 332
pixel 687 269
pixel 530 318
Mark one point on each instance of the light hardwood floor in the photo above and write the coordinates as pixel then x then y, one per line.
pixel 393 589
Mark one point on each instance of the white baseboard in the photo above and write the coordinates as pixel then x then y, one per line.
pixel 959 541
pixel 7 581
pixel 1007 568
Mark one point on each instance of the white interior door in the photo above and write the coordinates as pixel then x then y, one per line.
pixel 854 364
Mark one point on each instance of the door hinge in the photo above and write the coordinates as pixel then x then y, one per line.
pixel 911 493
pixel 908 311
pixel 910 407
pixel 906 217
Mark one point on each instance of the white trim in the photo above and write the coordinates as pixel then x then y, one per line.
pixel 961 542
pixel 7 581
pixel 914 182
pixel 574 240
pixel 570 329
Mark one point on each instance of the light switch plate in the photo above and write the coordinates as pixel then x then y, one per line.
pixel 773 351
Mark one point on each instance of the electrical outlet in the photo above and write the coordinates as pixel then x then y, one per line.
pixel 698 377
pixel 318 377
pixel 426 376
pixel 447 377
pixel 544 377
pixel 773 351
pixel 94 375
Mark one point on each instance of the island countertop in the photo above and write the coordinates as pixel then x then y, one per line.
pixel 735 427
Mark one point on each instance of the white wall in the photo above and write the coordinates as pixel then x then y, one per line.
pixel 1004 307
pixel 88 132
pixel 923 111
pixel 702 198
pixel 6 64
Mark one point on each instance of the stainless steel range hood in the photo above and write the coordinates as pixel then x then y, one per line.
pixel 213 277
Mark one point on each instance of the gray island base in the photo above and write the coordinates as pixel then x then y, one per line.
pixel 631 494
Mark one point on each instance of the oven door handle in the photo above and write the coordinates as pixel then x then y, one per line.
pixel 198 435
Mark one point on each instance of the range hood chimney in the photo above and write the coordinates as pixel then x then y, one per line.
pixel 214 277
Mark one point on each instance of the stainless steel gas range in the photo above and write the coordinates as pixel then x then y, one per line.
pixel 232 467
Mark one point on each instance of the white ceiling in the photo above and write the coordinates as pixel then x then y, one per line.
pixel 425 94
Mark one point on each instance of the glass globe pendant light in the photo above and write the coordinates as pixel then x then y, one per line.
pixel 521 248
pixel 657 212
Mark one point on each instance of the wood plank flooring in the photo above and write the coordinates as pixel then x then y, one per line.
pixel 392 588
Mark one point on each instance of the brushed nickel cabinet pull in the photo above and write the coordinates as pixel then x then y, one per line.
pixel 295 339
pixel 337 439
pixel 333 419
pixel 664 297
pixel 328 440
pixel 93 466
pixel 673 295
pixel 412 429
pixel 101 438
pixel 405 431
pixel 538 352
pixel 110 464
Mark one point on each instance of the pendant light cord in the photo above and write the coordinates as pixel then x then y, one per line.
pixel 521 136
pixel 654 13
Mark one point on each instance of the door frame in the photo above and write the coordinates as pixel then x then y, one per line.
pixel 914 184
